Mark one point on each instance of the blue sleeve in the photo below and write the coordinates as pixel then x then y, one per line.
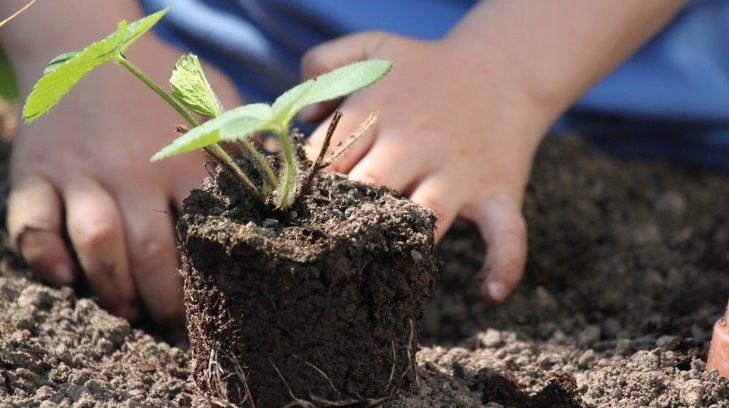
pixel 669 100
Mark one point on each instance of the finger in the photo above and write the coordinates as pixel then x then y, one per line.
pixel 331 55
pixel 437 194
pixel 34 225
pixel 503 228
pixel 344 50
pixel 153 257
pixel 385 164
pixel 96 231
pixel 351 120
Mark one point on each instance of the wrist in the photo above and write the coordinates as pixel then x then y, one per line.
pixel 531 102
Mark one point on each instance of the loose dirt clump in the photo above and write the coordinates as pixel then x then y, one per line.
pixel 320 303
pixel 627 273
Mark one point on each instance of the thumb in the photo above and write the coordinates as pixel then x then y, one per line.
pixel 504 230
pixel 341 51
pixel 334 54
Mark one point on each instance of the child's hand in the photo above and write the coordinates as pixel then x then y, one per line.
pixel 86 168
pixel 83 171
pixel 460 118
pixel 455 133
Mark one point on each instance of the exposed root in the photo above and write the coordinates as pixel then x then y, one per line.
pixel 297 402
pixel 394 367
pixel 317 401
pixel 409 350
pixel 216 380
pixel 327 141
pixel 317 166
pixel 354 137
pixel 318 370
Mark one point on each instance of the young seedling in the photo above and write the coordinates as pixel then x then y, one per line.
pixel 191 92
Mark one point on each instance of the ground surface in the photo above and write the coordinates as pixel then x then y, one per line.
pixel 628 270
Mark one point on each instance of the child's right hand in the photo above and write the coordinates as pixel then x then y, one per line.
pixel 460 118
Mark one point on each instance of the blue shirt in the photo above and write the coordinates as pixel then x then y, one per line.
pixel 668 101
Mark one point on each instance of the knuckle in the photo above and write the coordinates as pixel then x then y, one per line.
pixel 151 249
pixel 30 244
pixel 312 61
pixel 369 177
pixel 436 206
pixel 94 235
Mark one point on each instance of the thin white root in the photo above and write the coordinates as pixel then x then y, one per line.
pixel 318 370
pixel 216 379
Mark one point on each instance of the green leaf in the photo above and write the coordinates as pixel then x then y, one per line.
pixel 334 84
pixel 192 89
pixel 232 125
pixel 139 27
pixel 54 85
pixel 56 62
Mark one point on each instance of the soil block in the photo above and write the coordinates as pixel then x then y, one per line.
pixel 320 303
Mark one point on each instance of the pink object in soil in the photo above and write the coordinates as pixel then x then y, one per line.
pixel 719 350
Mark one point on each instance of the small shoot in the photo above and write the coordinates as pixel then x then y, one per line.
pixel 192 94
pixel 240 123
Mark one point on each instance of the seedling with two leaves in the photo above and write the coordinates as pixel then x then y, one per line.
pixel 191 92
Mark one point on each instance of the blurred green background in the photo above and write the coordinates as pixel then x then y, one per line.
pixel 8 89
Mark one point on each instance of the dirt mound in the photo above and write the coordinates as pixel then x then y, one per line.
pixel 628 270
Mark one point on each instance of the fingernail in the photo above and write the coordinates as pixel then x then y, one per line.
pixel 62 274
pixel 497 291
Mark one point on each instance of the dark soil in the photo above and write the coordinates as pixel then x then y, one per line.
pixel 320 303
pixel 627 272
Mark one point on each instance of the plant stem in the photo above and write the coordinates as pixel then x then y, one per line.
pixel 151 85
pixel 222 157
pixel 285 190
pixel 217 152
pixel 262 164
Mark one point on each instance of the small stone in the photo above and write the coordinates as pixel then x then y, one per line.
pixel 671 204
pixel 586 359
pixel 95 386
pixel 665 341
pixel 491 339
pixel 611 327
pixel 79 377
pixel 646 234
pixel 589 335
pixel 624 347
pixel 545 301
pixel 546 361
pixel 646 359
pixel 105 346
pixel 270 222
pixel 693 393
